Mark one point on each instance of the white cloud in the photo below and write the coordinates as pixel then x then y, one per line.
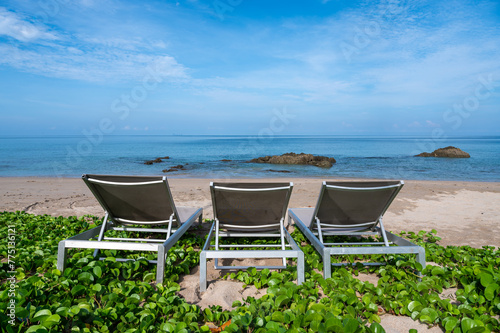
pixel 98 65
pixel 89 53
pixel 14 26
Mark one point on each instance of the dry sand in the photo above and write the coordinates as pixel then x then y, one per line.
pixel 463 213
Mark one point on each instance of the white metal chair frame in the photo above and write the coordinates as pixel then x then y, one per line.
pixel 317 230
pixel 217 251
pixel 95 238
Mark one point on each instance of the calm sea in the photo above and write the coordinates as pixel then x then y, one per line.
pixel 357 157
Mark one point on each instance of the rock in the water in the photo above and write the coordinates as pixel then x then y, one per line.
pixel 282 171
pixel 174 168
pixel 157 160
pixel 446 152
pixel 293 158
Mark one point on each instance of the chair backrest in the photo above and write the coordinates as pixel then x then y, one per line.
pixel 355 204
pixel 251 206
pixel 134 199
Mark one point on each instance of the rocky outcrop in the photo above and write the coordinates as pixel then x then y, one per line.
pixel 157 160
pixel 174 168
pixel 293 158
pixel 446 152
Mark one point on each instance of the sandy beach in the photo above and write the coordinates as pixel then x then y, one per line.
pixel 463 213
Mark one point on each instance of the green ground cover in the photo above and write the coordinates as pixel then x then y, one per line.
pixel 109 296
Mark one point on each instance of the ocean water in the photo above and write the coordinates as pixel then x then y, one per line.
pixel 357 156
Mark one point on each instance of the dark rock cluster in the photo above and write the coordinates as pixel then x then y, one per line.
pixel 174 168
pixel 157 160
pixel 293 158
pixel 449 151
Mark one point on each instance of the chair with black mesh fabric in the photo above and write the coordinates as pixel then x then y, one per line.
pixel 249 210
pixel 133 204
pixel 353 209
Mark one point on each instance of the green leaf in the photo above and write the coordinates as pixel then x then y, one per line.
pixel 429 314
pixel 350 325
pixel 437 271
pixel 491 291
pixel 62 311
pixel 282 300
pixel 334 324
pixel 477 329
pixel 167 327
pixel 414 306
pixel 149 277
pixel 422 287
pixel 85 277
pixel 97 271
pixel 77 290
pixel 273 282
pixel 372 307
pixel 377 328
pixel 246 320
pixel 278 317
pixel 259 322
pixel 271 325
pixel 41 315
pixel 450 323
pixel 209 316
pixel 36 329
pixel 51 321
pixel 467 324
pixel 252 271
pixel 418 266
pixel 486 279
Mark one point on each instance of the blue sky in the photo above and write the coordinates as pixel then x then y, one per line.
pixel 250 67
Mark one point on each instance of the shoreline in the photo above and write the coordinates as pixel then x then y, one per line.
pixel 463 212
pixel 285 177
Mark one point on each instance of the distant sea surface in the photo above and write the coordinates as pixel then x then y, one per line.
pixel 202 156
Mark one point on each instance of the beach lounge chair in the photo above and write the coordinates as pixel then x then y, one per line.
pixel 133 204
pixel 249 210
pixel 352 209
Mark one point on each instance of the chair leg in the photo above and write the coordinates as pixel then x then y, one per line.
pixel 382 231
pixel 160 264
pixel 282 237
pixel 300 268
pixel 101 233
pixel 203 271
pixel 62 253
pixel 421 259
pixel 320 233
pixel 327 264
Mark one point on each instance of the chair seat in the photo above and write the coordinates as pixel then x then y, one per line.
pixel 250 210
pixel 359 206
pixel 306 216
pixel 133 203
